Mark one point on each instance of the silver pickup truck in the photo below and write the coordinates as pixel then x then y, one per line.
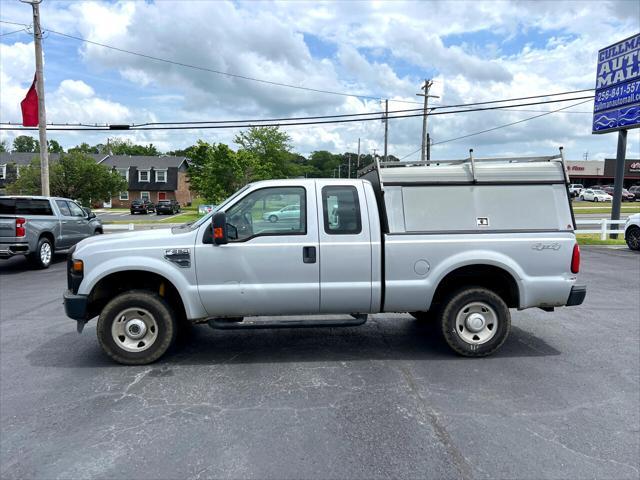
pixel 39 226
pixel 457 242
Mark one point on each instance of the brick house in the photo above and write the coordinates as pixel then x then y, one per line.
pixel 153 178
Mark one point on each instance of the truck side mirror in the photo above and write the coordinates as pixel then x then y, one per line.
pixel 219 228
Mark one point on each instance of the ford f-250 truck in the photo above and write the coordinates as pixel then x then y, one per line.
pixel 37 227
pixel 457 242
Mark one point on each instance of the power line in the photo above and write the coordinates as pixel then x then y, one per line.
pixel 497 127
pixel 343 118
pixel 270 122
pixel 15 31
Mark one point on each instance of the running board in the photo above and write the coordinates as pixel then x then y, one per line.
pixel 221 324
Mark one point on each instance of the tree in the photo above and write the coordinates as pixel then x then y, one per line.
pixel 216 171
pixel 269 146
pixel 54 147
pixel 118 146
pixel 25 144
pixel 213 171
pixel 84 148
pixel 29 181
pixel 3 146
pixel 75 175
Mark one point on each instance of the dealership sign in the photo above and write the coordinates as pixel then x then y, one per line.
pixel 617 98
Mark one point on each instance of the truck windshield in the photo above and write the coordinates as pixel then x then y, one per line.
pixel 207 217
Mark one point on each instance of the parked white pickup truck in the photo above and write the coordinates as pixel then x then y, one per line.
pixel 457 242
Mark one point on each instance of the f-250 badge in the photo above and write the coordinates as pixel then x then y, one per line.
pixel 179 256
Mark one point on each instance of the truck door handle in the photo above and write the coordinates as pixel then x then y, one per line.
pixel 309 254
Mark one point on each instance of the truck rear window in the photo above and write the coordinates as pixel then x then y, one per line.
pixel 25 206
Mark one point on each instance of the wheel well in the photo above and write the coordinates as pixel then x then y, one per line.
pixel 120 282
pixel 99 229
pixel 493 278
pixel 49 236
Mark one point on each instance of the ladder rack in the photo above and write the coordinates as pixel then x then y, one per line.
pixel 471 160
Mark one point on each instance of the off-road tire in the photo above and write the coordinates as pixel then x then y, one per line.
pixel 35 258
pixel 453 306
pixel 154 304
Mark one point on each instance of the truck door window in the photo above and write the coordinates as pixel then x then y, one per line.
pixel 76 211
pixel 64 208
pixel 268 211
pixel 341 210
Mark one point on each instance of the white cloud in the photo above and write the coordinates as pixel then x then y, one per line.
pixel 381 48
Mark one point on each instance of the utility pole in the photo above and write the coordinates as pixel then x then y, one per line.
pixel 42 115
pixel 358 162
pixel 340 165
pixel 349 171
pixel 428 146
pixel 427 85
pixel 618 179
pixel 386 127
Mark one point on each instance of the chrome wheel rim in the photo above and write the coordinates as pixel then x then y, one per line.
pixel 134 330
pixel 476 323
pixel 45 253
pixel 633 239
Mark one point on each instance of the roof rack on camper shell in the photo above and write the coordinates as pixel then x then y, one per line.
pixel 539 169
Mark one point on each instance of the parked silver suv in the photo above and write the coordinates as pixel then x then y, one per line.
pixel 39 226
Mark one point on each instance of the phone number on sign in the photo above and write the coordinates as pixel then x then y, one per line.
pixel 618 91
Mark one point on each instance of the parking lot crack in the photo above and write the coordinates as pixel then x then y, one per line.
pixel 137 379
pixel 557 442
pixel 430 416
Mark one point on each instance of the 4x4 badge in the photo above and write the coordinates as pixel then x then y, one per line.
pixel 545 246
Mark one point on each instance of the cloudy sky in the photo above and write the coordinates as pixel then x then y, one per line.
pixel 475 51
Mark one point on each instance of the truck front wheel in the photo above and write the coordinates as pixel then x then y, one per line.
pixel 136 327
pixel 475 322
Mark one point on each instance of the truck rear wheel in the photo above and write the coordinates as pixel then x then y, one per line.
pixel 43 255
pixel 136 327
pixel 475 322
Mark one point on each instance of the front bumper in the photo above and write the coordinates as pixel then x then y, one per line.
pixel 75 306
pixel 576 297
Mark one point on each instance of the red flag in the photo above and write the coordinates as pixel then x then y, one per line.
pixel 29 107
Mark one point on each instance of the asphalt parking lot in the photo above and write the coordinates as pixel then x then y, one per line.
pixel 388 399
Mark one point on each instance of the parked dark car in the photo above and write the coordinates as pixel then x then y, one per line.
pixel 142 206
pixel 636 191
pixel 170 207
pixel 627 196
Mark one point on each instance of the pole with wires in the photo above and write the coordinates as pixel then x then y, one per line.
pixel 428 83
pixel 386 127
pixel 42 114
pixel 358 161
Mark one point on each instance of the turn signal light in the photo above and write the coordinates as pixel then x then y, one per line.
pixel 218 232
pixel 575 259
pixel 77 266
pixel 21 231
